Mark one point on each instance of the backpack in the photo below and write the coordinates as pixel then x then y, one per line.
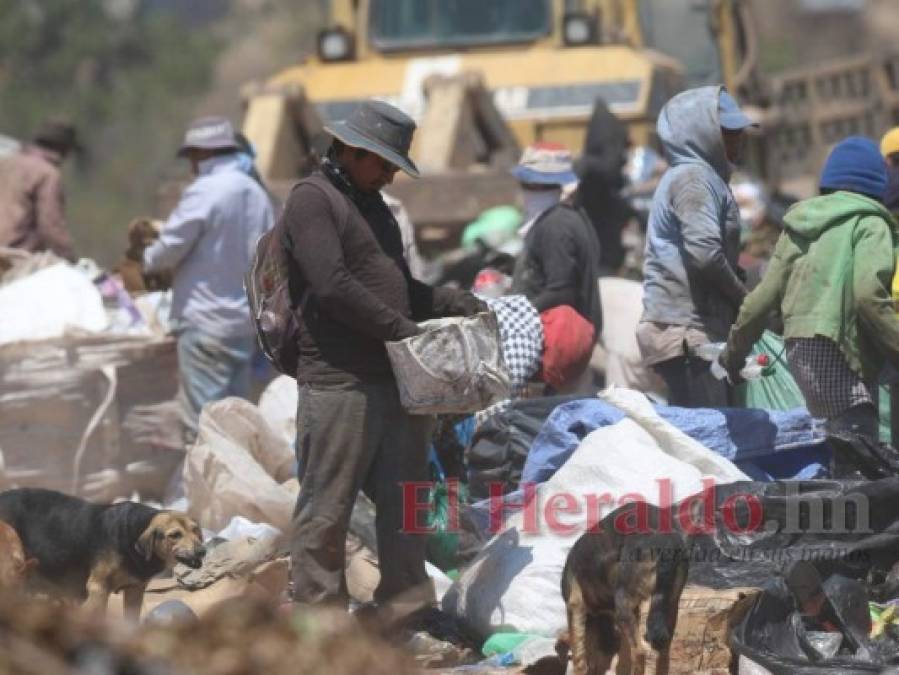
pixel 267 283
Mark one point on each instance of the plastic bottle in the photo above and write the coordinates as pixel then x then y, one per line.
pixel 754 367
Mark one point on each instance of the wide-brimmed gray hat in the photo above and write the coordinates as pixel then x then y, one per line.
pixel 379 128
pixel 208 133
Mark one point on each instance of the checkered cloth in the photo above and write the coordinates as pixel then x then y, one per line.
pixel 829 385
pixel 521 334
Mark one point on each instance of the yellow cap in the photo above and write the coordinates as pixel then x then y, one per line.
pixel 889 144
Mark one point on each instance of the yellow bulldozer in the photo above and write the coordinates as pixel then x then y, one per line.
pixel 485 77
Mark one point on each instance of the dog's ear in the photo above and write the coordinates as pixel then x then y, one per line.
pixel 146 543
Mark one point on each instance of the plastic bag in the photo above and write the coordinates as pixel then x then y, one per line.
pixel 777 390
pixel 455 366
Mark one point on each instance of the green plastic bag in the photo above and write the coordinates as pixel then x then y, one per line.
pixel 494 226
pixel 443 545
pixel 776 389
pixel 503 643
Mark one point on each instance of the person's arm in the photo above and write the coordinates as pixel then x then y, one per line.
pixel 695 205
pixel 313 238
pixel 180 233
pixel 757 308
pixel 50 216
pixel 871 280
pixel 433 302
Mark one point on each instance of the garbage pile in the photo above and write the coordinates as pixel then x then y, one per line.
pixel 241 636
pixel 89 375
pixel 791 570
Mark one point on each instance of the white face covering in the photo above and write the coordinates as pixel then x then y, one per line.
pixel 538 201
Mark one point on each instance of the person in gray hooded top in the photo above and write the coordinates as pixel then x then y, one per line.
pixel 692 286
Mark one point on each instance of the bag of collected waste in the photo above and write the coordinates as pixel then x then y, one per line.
pixel 239 467
pixel 455 366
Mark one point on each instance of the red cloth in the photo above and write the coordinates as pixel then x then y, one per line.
pixel 568 340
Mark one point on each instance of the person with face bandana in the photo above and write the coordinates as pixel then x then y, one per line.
pixel 692 285
pixel 558 268
pixel 206 244
pixel 559 264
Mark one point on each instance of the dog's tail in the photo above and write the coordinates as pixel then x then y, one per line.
pixel 671 575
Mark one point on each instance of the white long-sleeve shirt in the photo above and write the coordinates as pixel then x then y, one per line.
pixel 208 242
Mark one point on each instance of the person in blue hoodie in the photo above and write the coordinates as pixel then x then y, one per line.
pixel 692 286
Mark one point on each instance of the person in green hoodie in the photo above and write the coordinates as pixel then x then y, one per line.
pixel 830 280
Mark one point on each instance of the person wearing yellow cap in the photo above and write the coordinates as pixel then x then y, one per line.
pixel 889 148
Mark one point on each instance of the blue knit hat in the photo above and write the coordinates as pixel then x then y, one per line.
pixel 855 164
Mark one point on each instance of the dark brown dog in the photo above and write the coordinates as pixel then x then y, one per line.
pixel 86 551
pixel 608 575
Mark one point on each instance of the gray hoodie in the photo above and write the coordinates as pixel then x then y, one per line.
pixel 693 239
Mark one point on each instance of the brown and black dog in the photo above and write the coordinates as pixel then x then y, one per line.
pixel 14 566
pixel 608 575
pixel 87 551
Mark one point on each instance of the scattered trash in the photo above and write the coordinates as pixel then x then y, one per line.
pixel 239 467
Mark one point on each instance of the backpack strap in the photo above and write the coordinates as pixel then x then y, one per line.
pixel 339 201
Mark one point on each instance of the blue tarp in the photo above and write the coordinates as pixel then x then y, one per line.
pixel 765 444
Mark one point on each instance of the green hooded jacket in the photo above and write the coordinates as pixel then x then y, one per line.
pixel 830 275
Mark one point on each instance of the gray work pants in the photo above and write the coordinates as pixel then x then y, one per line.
pixel 353 439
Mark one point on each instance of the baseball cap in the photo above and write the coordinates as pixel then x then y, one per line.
pixel 730 116
pixel 208 133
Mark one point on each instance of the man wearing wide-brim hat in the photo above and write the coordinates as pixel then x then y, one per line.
pixel 206 244
pixel 32 203
pixel 354 293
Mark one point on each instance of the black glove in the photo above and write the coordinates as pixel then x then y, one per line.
pixel 408 329
pixel 468 304
pixel 733 367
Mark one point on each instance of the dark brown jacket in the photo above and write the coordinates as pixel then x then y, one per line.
pixel 32 205
pixel 352 285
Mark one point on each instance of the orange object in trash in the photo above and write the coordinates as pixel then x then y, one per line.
pixel 568 340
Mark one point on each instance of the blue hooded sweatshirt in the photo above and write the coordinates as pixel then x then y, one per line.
pixel 693 238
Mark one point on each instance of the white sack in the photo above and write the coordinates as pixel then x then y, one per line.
pixel 622 304
pixel 239 467
pixel 49 303
pixel 514 583
pixel 278 405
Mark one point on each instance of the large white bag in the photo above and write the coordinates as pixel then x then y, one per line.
pixel 48 304
pixel 514 583
pixel 239 467
pixel 455 366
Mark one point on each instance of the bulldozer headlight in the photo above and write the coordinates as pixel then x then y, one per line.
pixel 579 29
pixel 335 44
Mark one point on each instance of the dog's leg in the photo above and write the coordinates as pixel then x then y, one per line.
pixel 601 642
pixel 663 661
pixel 627 619
pixel 577 627
pixel 97 592
pixel 133 600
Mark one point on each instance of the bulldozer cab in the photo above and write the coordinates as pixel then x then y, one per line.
pixel 485 77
